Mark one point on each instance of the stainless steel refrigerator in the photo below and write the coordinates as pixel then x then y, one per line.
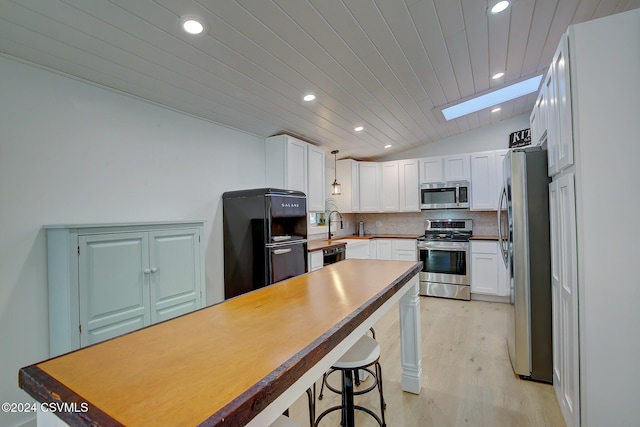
pixel 523 228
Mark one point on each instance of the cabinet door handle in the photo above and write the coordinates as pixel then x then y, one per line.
pixel 281 251
pixel 147 271
pixel 154 269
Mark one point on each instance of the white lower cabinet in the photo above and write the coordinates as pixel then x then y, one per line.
pixel 488 272
pixel 108 280
pixel 396 249
pixel 315 260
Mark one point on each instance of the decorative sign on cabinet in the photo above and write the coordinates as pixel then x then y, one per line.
pixel 107 280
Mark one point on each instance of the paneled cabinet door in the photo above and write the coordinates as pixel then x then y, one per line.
pixel 369 186
pixel 564 283
pixel 456 168
pixel 431 170
pixel 113 285
pixel 483 176
pixel 390 185
pixel 296 172
pixel 409 185
pixel 315 179
pixel 564 126
pixel 174 273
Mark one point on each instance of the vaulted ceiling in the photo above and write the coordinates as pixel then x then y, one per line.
pixel 386 65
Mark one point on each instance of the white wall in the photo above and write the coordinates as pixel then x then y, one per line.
pixel 71 152
pixel 491 137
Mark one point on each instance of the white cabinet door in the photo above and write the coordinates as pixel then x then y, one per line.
pixel 484 268
pixel 404 250
pixel 483 186
pixel 369 186
pixel 383 249
pixel 551 137
pixel 409 185
pixel 315 179
pixel 108 280
pixel 390 185
pixel 456 168
pixel 431 170
pixel 316 260
pixel 296 165
pixel 174 262
pixel 564 282
pixel 113 285
pixel 447 168
pixel 348 175
pixel 563 120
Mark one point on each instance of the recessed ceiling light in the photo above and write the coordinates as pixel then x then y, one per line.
pixel 495 110
pixel 191 25
pixel 497 76
pixel 499 7
pixel 495 97
pixel 359 128
pixel 309 97
pixel 387 146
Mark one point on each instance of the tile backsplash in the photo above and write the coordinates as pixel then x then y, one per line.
pixel 484 222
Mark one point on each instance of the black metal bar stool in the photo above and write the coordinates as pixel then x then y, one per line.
pixel 361 356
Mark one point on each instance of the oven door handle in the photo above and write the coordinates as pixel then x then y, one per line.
pixel 281 251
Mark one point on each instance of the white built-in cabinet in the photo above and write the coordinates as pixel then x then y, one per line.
pixel 348 174
pixel 445 168
pixel 551 116
pixel 564 288
pixel 108 280
pixel 315 260
pixel 370 175
pixel 395 249
pixel 488 271
pixel 390 186
pixel 292 164
pixel 486 179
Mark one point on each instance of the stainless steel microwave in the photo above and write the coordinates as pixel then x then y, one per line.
pixel 445 195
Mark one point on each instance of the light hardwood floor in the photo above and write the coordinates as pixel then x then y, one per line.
pixel 467 377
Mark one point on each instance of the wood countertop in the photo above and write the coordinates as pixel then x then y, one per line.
pixel 317 245
pixel 223 364
pixel 495 238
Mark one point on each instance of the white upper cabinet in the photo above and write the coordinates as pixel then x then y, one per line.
pixel 447 168
pixel 564 127
pixel 431 170
pixel 390 186
pixel 456 168
pixel 551 121
pixel 315 179
pixel 348 175
pixel 292 164
pixel 409 183
pixel 486 179
pixel 369 176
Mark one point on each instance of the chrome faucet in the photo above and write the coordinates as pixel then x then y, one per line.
pixel 329 221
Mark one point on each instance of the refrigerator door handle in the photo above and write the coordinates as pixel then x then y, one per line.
pixel 503 251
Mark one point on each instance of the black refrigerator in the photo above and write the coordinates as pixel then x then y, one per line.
pixel 265 238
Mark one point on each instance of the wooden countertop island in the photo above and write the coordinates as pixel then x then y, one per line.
pixel 240 362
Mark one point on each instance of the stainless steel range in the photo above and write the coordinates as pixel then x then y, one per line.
pixel 444 253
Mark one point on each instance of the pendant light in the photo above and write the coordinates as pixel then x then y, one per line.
pixel 335 187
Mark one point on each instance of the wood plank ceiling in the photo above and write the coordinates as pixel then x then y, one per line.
pixel 387 65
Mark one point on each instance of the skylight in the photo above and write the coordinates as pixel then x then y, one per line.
pixel 490 99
